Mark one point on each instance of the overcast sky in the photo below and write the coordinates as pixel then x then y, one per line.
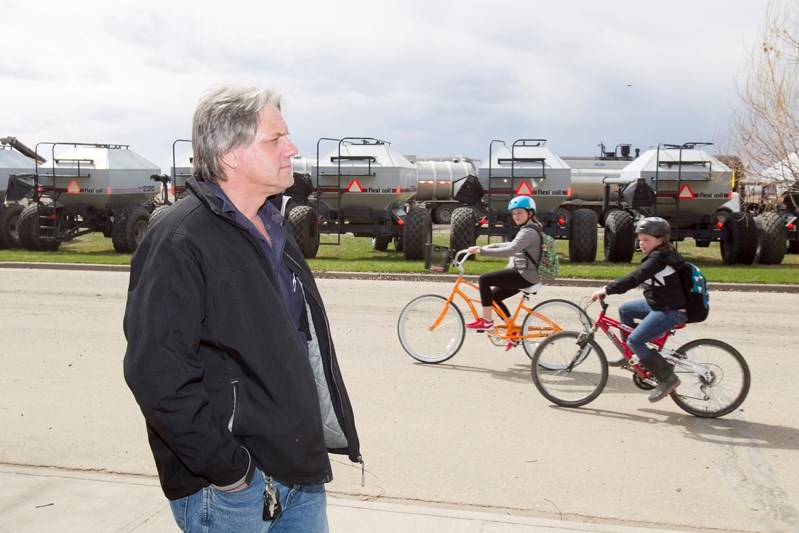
pixel 432 77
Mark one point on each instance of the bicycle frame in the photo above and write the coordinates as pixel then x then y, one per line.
pixel 506 330
pixel 607 323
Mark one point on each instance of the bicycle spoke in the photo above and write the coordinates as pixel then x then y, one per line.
pixel 567 372
pixel 718 381
pixel 423 338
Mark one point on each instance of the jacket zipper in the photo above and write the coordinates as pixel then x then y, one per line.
pixel 235 383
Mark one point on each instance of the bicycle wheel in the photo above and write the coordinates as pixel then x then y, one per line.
pixel 720 392
pixel 568 372
pixel 422 338
pixel 567 316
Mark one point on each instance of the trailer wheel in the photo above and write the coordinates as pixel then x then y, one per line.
pixel 156 214
pixel 9 226
pixel 739 244
pixel 793 247
pixel 302 221
pixel 582 243
pixel 443 214
pixel 462 229
pixel 772 240
pixel 417 231
pixel 398 243
pixel 380 242
pixel 3 238
pixel 619 237
pixel 28 227
pixel 130 225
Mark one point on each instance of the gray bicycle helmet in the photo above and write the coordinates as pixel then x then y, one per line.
pixel 655 226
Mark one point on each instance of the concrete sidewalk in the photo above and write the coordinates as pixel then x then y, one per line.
pixel 48 499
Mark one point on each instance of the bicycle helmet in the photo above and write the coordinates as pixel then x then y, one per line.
pixel 521 202
pixel 655 226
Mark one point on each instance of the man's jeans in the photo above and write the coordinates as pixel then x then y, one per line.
pixel 653 325
pixel 304 508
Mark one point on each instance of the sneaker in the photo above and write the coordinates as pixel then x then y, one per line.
pixel 481 323
pixel 512 343
pixel 664 388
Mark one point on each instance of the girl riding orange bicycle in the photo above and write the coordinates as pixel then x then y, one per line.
pixel 522 272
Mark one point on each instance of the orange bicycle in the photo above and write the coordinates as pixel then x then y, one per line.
pixel 431 327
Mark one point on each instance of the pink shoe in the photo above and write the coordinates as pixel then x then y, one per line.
pixel 481 323
pixel 512 343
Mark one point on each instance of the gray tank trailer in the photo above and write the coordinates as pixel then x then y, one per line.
pixel 15 158
pixel 86 188
pixel 181 171
pixel 438 181
pixel 525 168
pixel 362 186
pixel 688 187
pixel 588 174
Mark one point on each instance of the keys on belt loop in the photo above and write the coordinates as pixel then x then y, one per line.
pixel 271 500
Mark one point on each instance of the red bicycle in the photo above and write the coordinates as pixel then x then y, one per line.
pixel 570 369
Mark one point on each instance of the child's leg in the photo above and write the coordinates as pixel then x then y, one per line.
pixel 655 324
pixel 502 279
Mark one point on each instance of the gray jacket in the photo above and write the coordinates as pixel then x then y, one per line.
pixel 528 239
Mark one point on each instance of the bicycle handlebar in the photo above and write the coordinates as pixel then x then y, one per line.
pixel 458 263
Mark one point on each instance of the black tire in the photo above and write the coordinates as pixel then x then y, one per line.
pixel 793 247
pixel 772 239
pixel 2 232
pixel 567 373
pixel 398 243
pixel 422 338
pixel 380 242
pixel 128 229
pixel 619 237
pixel 302 220
pixel 156 214
pixel 739 243
pixel 462 229
pixel 28 227
pixel 443 214
pixel 582 243
pixel 727 387
pixel 417 231
pixel 9 226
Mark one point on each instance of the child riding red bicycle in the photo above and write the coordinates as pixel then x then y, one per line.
pixel 663 305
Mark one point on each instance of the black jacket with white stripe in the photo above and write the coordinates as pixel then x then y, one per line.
pixel 659 275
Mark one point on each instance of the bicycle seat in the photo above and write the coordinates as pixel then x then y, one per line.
pixel 532 289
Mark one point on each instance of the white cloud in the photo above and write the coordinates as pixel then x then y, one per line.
pixel 433 77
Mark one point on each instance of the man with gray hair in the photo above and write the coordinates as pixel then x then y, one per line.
pixel 229 351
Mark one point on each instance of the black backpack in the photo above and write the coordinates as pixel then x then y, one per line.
pixel 697 297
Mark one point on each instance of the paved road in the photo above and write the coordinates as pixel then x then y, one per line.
pixel 470 433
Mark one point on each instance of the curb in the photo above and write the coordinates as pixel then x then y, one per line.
pixel 401 276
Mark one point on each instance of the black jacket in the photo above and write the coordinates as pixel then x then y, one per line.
pixel 659 273
pixel 216 364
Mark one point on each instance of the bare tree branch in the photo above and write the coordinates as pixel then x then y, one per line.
pixel 765 128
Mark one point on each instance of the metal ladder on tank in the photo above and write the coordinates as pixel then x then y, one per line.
pixel 680 163
pixel 519 143
pixel 324 212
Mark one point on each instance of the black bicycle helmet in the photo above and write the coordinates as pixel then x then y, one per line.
pixel 655 226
